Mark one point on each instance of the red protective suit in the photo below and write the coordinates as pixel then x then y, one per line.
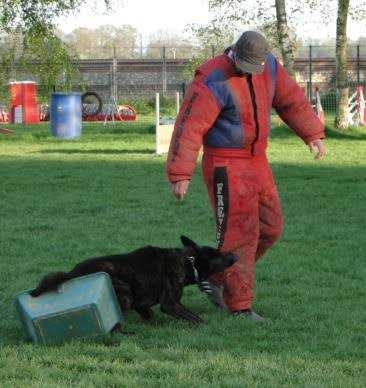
pixel 229 113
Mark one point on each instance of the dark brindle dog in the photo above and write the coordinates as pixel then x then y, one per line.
pixel 151 275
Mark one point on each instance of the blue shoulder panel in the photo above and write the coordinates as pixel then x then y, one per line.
pixel 272 64
pixel 227 130
pixel 216 82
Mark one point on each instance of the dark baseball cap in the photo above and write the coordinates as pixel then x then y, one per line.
pixel 251 50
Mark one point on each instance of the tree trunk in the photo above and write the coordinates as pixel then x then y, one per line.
pixel 283 34
pixel 341 120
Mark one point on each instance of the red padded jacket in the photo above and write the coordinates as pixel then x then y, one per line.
pixel 229 113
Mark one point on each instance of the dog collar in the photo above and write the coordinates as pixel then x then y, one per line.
pixel 192 260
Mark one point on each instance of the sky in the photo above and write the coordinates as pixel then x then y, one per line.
pixel 149 16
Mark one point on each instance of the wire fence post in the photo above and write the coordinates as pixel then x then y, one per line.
pixel 157 121
pixel 183 88
pixel 358 65
pixel 212 51
pixel 310 91
pixel 177 104
pixel 141 50
pixel 114 90
pixel 164 76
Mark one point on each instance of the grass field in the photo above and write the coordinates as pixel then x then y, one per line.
pixel 63 201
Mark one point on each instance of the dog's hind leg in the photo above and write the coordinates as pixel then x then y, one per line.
pixel 117 328
pixel 145 312
pixel 124 294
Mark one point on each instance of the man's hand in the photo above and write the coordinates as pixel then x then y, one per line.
pixel 179 189
pixel 317 147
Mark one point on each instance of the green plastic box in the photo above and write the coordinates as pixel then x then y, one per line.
pixel 82 307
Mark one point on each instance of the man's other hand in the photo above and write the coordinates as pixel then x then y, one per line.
pixel 317 147
pixel 179 189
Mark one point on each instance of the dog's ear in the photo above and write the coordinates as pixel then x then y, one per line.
pixel 187 242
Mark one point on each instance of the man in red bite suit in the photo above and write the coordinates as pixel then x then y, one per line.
pixel 227 109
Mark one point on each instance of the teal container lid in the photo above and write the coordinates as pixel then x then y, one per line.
pixel 82 307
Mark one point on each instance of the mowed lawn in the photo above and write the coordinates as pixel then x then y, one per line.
pixel 64 201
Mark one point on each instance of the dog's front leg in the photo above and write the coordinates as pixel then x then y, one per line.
pixel 124 294
pixel 177 310
pixel 169 300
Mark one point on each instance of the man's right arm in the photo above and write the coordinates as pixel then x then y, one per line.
pixel 196 116
pixel 294 108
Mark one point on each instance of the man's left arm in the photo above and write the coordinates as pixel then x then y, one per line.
pixel 295 110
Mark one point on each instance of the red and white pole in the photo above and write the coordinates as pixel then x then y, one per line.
pixel 361 106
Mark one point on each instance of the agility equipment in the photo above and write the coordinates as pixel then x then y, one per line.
pixel 357 108
pixel 112 112
pixel 318 106
pixel 66 120
pixel 93 109
pixel 86 306
pixel 92 104
pixel 164 126
pixel 24 108
pixel 44 114
pixel 6 131
pixel 352 114
pixel 361 105
pixel 4 115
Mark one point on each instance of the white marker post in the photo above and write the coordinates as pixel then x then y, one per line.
pixel 157 121
pixel 163 130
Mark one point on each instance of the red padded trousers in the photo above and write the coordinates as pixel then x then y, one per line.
pixel 249 219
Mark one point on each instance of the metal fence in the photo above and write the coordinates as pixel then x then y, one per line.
pixel 133 77
pixel 168 69
pixel 316 70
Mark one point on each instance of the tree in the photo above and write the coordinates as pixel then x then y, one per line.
pixel 175 45
pixel 33 15
pixel 104 41
pixel 44 58
pixel 341 120
pixel 243 12
pixel 345 10
pixel 56 69
pixel 121 41
pixel 209 40
pixel 283 35
pixel 38 49
pixel 83 41
pixel 265 15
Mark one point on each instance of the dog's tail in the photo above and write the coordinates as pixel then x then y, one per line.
pixel 51 281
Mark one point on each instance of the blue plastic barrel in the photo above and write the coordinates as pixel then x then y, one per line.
pixel 66 117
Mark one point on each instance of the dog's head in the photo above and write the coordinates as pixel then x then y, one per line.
pixel 208 260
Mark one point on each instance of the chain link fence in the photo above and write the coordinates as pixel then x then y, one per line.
pixel 131 77
pixel 316 70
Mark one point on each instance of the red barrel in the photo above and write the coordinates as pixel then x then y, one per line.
pixel 24 106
